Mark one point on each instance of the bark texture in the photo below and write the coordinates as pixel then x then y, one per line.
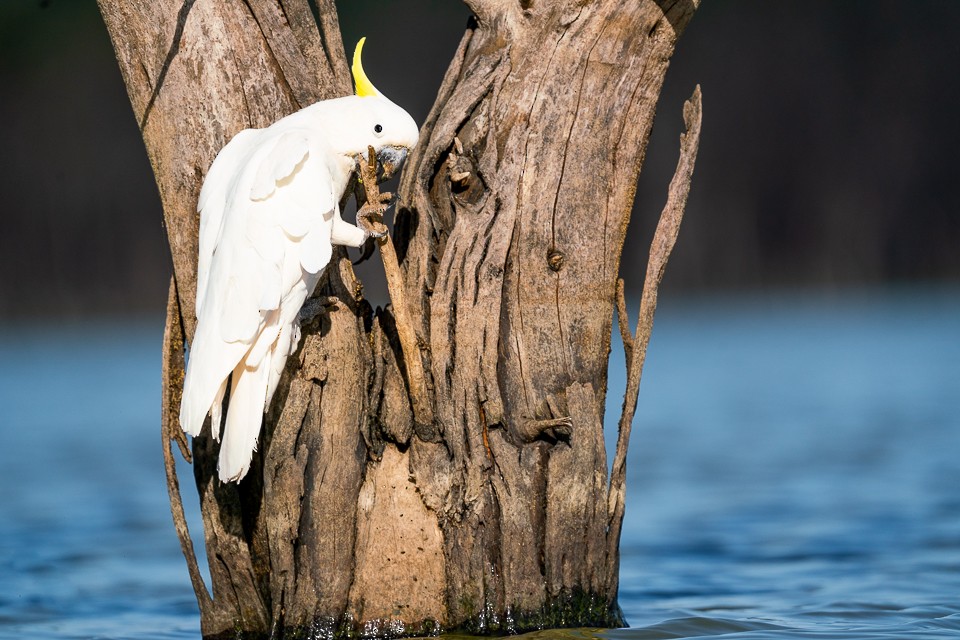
pixel 485 504
pixel 515 210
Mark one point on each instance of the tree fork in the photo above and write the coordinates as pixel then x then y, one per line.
pixel 494 514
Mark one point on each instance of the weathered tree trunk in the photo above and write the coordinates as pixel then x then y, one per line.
pixel 471 492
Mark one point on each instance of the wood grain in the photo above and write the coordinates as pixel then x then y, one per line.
pixel 438 464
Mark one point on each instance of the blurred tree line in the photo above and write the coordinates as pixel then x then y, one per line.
pixel 827 157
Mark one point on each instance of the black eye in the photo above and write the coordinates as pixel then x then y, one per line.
pixel 377 128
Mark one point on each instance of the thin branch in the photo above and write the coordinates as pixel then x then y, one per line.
pixel 416 379
pixel 664 240
pixel 172 390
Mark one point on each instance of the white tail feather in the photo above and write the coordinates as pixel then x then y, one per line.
pixel 216 411
pixel 244 417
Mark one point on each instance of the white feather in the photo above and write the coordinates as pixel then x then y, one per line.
pixel 213 199
pixel 244 416
pixel 216 411
pixel 268 219
pixel 287 155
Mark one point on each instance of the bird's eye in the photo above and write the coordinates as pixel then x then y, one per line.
pixel 377 128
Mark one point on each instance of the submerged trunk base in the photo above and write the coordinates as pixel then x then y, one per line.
pixel 571 611
pixel 574 610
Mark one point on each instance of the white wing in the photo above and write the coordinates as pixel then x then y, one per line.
pixel 213 200
pixel 272 242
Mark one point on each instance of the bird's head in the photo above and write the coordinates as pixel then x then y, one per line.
pixel 380 123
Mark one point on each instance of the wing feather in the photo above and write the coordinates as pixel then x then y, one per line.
pixel 213 201
pixel 265 340
pixel 316 249
pixel 239 314
pixel 287 155
pixel 266 225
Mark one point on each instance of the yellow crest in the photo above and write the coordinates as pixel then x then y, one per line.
pixel 360 79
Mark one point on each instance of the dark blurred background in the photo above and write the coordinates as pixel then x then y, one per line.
pixel 827 158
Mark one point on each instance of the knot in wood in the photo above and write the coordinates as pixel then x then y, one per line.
pixel 461 169
pixel 555 260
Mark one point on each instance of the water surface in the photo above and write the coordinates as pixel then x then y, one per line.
pixel 794 474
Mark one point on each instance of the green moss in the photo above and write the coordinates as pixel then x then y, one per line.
pixel 347 628
pixel 576 609
pixel 237 634
pixel 573 609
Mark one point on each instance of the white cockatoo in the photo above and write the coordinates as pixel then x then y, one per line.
pixel 269 217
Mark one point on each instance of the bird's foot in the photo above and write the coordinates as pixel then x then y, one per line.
pixel 315 307
pixel 370 216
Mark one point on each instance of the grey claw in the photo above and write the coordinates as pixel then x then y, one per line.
pixel 315 307
pixel 366 220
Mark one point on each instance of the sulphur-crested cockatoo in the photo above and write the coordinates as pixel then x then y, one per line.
pixel 269 217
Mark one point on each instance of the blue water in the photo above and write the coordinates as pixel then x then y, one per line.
pixel 794 474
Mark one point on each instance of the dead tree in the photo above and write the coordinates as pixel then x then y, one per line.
pixel 438 464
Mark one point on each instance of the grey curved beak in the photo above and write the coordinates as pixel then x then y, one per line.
pixel 390 158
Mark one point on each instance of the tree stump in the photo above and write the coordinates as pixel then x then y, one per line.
pixel 439 466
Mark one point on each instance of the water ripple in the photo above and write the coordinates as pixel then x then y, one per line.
pixel 794 475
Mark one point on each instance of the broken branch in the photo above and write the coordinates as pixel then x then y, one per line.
pixel 416 380
pixel 172 369
pixel 664 240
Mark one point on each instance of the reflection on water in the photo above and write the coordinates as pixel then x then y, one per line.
pixel 795 473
